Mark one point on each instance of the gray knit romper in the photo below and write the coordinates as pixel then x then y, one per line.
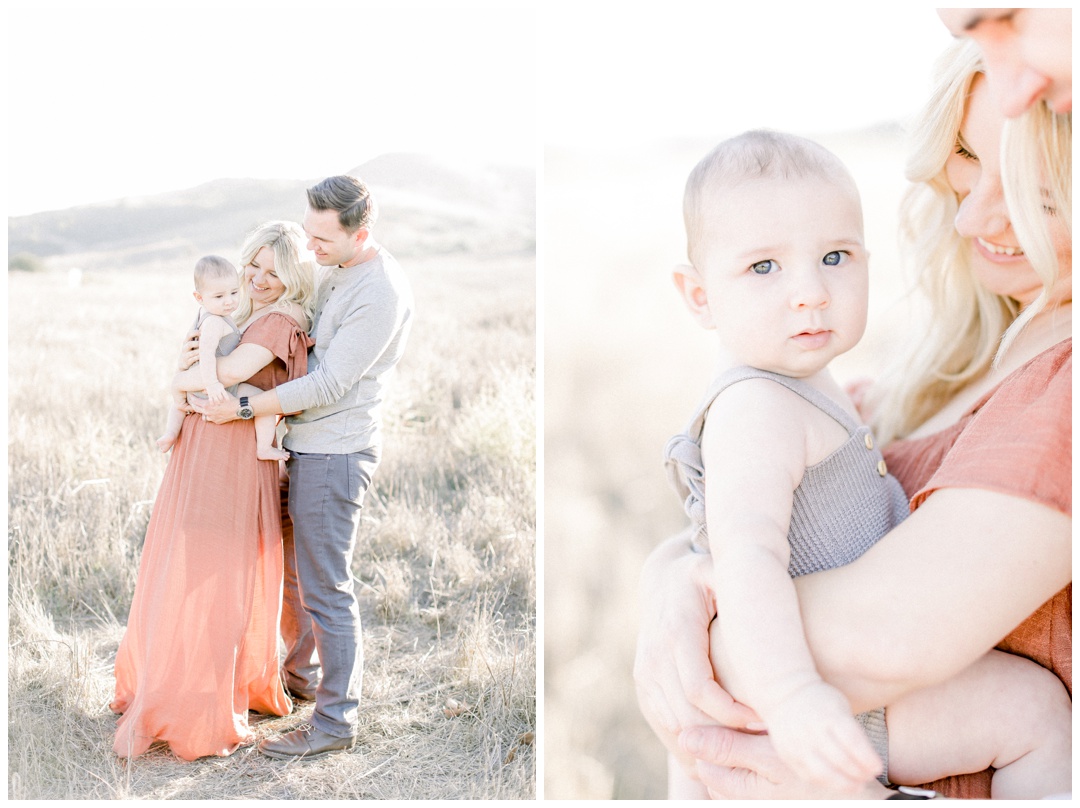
pixel 226 345
pixel 842 506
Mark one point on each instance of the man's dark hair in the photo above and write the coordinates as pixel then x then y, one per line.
pixel 349 197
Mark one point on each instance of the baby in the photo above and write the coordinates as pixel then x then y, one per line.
pixel 796 484
pixel 217 290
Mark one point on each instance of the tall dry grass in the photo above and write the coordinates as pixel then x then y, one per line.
pixel 445 557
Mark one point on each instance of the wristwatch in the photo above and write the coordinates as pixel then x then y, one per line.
pixel 245 410
pixel 910 793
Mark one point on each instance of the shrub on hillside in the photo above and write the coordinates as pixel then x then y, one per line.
pixel 26 262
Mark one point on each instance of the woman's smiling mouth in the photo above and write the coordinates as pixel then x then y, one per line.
pixel 999 249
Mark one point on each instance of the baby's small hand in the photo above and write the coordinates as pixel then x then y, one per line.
pixel 816 735
pixel 216 392
pixel 857 391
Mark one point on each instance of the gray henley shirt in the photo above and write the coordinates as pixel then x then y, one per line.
pixel 362 319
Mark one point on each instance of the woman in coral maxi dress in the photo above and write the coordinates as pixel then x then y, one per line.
pixel 201 646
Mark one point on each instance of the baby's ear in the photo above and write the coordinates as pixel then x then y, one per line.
pixel 691 287
pixel 197 296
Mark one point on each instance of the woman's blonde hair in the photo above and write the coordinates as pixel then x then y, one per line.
pixel 285 240
pixel 969 328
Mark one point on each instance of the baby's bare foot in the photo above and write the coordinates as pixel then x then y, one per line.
pixel 166 442
pixel 271 453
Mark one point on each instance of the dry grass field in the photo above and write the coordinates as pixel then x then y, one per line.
pixel 445 559
pixel 623 367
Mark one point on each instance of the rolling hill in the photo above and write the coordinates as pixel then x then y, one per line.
pixel 428 206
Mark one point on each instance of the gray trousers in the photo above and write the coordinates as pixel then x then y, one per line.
pixel 320 619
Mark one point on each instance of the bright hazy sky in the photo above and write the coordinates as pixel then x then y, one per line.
pixel 112 100
pixel 718 68
pixel 109 100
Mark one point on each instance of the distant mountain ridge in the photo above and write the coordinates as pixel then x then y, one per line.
pixel 426 206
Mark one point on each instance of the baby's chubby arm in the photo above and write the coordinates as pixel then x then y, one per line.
pixel 755 453
pixel 211 331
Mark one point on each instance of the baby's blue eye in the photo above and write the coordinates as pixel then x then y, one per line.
pixel 833 259
pixel 764 267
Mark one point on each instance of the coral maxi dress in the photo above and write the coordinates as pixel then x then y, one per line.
pixel 201 645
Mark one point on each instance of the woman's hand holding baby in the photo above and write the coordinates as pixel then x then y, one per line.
pixel 219 412
pixel 189 353
pixel 735 765
pixel 672 671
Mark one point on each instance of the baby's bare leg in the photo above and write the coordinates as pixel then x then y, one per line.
pixel 173 421
pixel 265 430
pixel 1003 711
pixel 265 434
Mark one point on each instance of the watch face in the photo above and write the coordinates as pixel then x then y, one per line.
pixel 246 412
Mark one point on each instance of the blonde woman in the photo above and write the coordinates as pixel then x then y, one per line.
pixel 980 424
pixel 280 265
pixel 201 646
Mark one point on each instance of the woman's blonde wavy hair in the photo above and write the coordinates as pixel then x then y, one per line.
pixel 285 240
pixel 969 329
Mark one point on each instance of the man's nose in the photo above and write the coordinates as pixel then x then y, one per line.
pixel 1013 84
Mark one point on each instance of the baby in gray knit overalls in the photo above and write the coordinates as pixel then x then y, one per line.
pixel 796 483
pixel 217 291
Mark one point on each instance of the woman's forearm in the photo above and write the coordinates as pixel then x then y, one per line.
pixel 239 366
pixel 935 594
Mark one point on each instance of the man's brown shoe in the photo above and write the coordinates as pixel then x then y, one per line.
pixel 305 742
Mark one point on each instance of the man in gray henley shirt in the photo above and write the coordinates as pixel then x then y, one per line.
pixel 362 318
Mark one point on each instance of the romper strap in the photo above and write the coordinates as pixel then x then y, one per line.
pixel 683 462
pixel 801 388
pixel 811 394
